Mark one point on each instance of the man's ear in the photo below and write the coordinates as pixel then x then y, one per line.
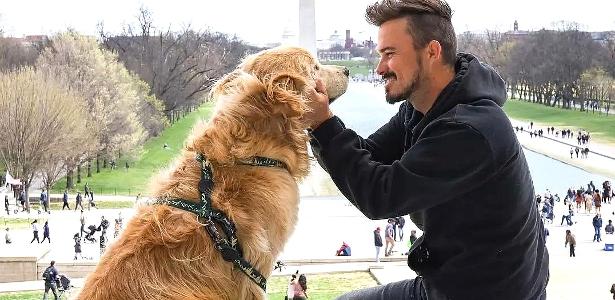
pixel 284 92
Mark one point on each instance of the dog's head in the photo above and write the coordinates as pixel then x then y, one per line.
pixel 281 77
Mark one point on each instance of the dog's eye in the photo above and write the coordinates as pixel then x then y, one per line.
pixel 317 68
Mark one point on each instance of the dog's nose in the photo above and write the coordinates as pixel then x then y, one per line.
pixel 346 72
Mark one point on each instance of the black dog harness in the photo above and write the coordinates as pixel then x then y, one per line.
pixel 227 246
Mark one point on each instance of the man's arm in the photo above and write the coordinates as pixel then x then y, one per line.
pixel 450 159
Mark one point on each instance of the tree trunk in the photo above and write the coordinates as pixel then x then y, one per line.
pixel 26 187
pixel 69 179
pixel 98 163
pixel 89 168
pixel 79 173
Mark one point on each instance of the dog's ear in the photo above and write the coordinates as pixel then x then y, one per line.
pixel 285 92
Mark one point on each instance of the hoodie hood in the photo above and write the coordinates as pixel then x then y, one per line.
pixel 473 81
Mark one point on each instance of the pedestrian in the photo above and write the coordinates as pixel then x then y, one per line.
pixel 65 200
pixel 46 232
pixel 91 202
pixel 103 241
pixel 77 239
pixel 400 226
pixel 6 204
pixel 597 222
pixel 572 241
pixel 43 200
pixel 50 276
pixel 86 189
pixel 78 201
pixel 571 152
pixel 576 150
pixel 35 231
pixel 389 237
pixel 377 243
pixel 608 229
pixel 613 290
pixel 82 220
pixel 7 236
pixel 429 161
pixel 597 200
pixel 22 200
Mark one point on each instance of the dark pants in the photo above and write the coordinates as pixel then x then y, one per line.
pixel 52 286
pixel 572 254
pixel 35 237
pixel 65 205
pixel 46 237
pixel 410 289
pixel 78 204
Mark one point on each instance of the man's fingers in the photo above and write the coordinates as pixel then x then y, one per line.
pixel 320 86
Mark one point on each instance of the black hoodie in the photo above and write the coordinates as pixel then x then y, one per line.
pixel 460 173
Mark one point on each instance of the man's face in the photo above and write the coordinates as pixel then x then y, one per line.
pixel 400 65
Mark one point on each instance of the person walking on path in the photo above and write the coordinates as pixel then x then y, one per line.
pixel 65 200
pixel 6 204
pixel 377 243
pixel 49 276
pixel 35 231
pixel 44 201
pixel 82 220
pixel 597 200
pixel 77 239
pixel 389 238
pixel 429 161
pixel 597 222
pixel 572 241
pixel 78 201
pixel 46 232
pixel 91 202
pixel 400 226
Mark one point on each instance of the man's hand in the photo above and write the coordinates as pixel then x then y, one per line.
pixel 318 102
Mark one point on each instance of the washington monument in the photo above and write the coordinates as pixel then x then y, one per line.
pixel 307 25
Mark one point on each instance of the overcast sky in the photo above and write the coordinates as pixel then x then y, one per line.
pixel 264 21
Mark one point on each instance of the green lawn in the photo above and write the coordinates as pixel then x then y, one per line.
pixel 599 125
pixel 133 180
pixel 355 67
pixel 19 223
pixel 322 286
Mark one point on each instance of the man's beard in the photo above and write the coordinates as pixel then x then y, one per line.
pixel 408 90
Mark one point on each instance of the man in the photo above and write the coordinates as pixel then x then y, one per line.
pixel 377 243
pixel 7 237
pixel 597 222
pixel 43 200
pixel 6 204
pixel 35 231
pixel 65 200
pixel 78 201
pixel 448 158
pixel 50 275
pixel 389 237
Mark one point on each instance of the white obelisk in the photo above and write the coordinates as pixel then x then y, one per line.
pixel 307 25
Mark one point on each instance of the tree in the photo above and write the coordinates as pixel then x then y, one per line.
pixel 37 116
pixel 110 93
pixel 180 67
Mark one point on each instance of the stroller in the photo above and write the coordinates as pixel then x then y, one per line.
pixel 89 236
pixel 63 284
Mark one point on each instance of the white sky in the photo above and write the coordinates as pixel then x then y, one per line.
pixel 264 21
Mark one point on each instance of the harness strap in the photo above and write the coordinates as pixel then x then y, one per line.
pixel 228 247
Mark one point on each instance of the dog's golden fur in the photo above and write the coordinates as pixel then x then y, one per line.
pixel 165 253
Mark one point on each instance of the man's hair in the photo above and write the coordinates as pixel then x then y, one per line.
pixel 427 20
pixel 53 262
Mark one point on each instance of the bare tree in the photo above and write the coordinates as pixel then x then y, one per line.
pixel 36 115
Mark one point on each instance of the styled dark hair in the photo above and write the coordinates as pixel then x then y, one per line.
pixel 303 282
pixel 428 20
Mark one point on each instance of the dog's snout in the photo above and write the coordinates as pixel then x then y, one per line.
pixel 346 71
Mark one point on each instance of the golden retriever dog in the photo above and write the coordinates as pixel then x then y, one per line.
pixel 165 252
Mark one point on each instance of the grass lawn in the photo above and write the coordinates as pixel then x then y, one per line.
pixel 133 180
pixel 355 67
pixel 24 295
pixel 322 286
pixel 599 125
pixel 19 223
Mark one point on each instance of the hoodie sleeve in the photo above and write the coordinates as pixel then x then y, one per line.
pixel 449 159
